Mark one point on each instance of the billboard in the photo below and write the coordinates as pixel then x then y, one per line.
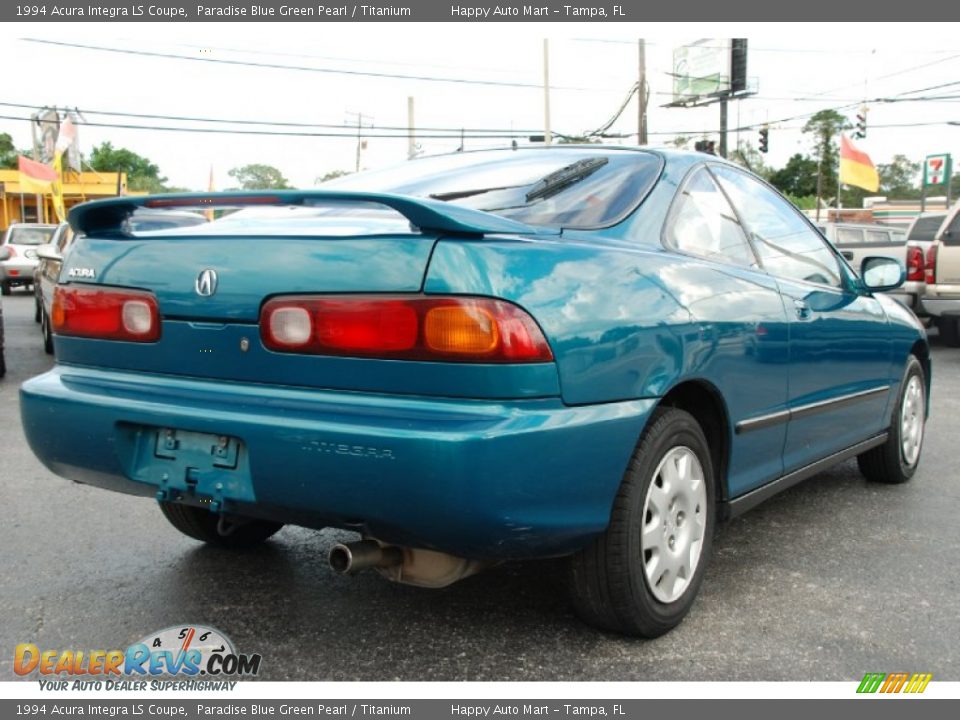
pixel 47 125
pixel 709 68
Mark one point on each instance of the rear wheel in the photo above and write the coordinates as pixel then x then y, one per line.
pixel 642 575
pixel 949 328
pixel 200 524
pixel 896 460
pixel 37 310
pixel 4 288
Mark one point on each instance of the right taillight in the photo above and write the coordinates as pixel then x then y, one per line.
pixel 930 267
pixel 105 313
pixel 915 264
pixel 458 329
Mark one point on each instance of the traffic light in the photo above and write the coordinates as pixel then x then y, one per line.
pixel 861 124
pixel 764 139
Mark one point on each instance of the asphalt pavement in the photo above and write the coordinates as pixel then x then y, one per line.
pixel 831 579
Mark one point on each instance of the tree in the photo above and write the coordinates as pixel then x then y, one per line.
pixel 332 175
pixel 142 175
pixel 752 159
pixel 259 177
pixel 681 142
pixel 898 178
pixel 797 178
pixel 8 153
pixel 825 126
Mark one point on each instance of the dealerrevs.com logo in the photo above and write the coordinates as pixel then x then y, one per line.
pixel 897 682
pixel 182 651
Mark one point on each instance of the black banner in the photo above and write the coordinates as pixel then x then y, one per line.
pixel 467 11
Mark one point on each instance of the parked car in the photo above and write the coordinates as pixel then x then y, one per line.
pixel 49 258
pixel 942 297
pixel 856 241
pixel 22 240
pixel 573 351
pixel 4 254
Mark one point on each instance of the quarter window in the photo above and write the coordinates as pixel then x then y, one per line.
pixel 787 245
pixel 878 237
pixel 703 223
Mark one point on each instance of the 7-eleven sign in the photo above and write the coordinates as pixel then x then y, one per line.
pixel 936 169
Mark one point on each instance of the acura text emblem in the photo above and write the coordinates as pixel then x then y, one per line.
pixel 206 284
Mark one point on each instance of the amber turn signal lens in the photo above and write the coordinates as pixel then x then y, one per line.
pixel 459 329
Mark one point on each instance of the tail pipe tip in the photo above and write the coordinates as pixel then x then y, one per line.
pixel 350 558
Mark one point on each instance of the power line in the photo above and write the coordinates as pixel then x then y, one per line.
pixel 272 123
pixel 299 68
pixel 276 133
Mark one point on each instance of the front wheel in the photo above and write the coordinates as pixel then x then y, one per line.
pixel 642 575
pixel 47 335
pixel 200 524
pixel 896 460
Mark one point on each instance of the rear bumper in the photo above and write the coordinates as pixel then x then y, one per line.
pixel 938 306
pixel 17 272
pixel 479 479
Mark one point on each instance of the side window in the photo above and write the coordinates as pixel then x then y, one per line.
pixel 703 223
pixel 849 236
pixel 787 245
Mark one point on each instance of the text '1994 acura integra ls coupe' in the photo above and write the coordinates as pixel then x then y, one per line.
pixel 575 351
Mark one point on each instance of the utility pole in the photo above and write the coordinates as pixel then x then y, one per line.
pixel 360 117
pixel 547 137
pixel 411 138
pixel 642 94
pixel 723 127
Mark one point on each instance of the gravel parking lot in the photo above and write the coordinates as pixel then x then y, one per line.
pixel 827 581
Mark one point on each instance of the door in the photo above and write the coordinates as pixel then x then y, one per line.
pixel 740 318
pixel 839 356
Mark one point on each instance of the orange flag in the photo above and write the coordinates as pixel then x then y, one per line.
pixel 856 168
pixel 35 177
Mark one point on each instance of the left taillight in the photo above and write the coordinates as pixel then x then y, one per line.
pixel 105 313
pixel 457 329
pixel 915 267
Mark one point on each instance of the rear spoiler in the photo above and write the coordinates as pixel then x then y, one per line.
pixel 107 217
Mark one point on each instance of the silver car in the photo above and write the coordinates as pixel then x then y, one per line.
pixel 22 240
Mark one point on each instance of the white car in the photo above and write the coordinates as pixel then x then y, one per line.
pixel 22 239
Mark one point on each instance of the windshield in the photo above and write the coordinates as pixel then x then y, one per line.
pixel 31 235
pixel 571 187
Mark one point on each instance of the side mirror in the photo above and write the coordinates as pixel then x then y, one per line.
pixel 882 273
pixel 4 253
pixel 48 252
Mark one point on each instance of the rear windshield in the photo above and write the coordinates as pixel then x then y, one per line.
pixel 572 188
pixel 30 235
pixel 925 228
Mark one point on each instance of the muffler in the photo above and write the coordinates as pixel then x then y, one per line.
pixel 350 558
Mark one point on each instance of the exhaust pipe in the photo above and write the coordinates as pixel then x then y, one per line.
pixel 351 558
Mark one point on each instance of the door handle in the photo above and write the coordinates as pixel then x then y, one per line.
pixel 803 310
pixel 847 254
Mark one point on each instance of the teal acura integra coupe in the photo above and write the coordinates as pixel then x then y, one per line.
pixel 588 352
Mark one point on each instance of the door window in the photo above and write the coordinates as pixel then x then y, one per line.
pixel 703 223
pixel 849 236
pixel 787 245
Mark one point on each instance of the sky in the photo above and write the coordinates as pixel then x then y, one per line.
pixel 797 69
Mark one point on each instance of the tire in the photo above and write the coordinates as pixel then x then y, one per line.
pixel 616 583
pixel 37 311
pixel 3 364
pixel 47 335
pixel 949 328
pixel 5 288
pixel 202 525
pixel 896 461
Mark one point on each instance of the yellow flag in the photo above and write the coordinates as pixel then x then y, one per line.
pixel 56 189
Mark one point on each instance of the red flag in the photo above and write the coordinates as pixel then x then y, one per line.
pixel 35 177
